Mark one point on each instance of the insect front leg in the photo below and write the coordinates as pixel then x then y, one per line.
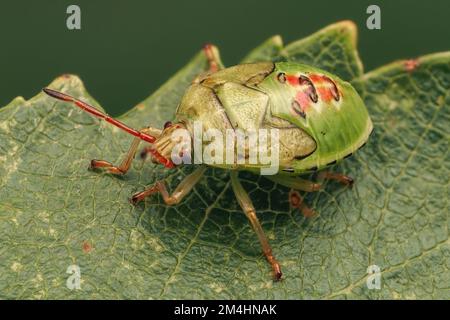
pixel 339 177
pixel 126 162
pixel 249 210
pixel 180 192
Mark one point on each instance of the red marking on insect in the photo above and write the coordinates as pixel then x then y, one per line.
pixel 316 78
pixel 303 100
pixel 308 88
pixel 411 64
pixel 326 87
pixel 87 247
pixel 325 94
pixel 298 109
pixel 292 80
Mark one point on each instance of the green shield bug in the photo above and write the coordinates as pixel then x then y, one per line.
pixel 320 120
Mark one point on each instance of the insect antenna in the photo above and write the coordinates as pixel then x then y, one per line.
pixel 88 108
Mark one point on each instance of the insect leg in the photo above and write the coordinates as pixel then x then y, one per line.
pixel 212 54
pixel 126 162
pixel 296 183
pixel 249 210
pixel 339 177
pixel 179 193
pixel 296 201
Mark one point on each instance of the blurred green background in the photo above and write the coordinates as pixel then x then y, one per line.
pixel 125 50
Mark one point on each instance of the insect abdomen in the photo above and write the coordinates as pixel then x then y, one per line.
pixel 327 108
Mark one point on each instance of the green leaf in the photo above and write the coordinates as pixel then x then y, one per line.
pixel 267 51
pixel 332 48
pixel 160 106
pixel 55 213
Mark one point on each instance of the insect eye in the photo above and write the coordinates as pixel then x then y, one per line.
pixel 167 124
pixel 281 77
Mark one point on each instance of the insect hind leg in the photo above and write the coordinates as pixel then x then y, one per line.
pixel 297 201
pixel 339 177
pixel 126 162
pixel 247 206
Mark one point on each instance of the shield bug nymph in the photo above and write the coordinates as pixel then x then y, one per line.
pixel 321 120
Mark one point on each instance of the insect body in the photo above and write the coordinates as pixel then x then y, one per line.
pixel 321 119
